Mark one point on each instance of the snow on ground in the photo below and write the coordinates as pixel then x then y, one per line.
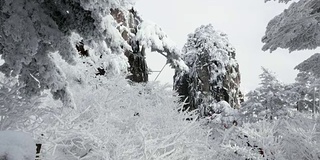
pixel 16 146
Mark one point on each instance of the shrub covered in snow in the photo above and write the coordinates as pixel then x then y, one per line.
pixel 118 120
pixel 16 110
pixel 294 138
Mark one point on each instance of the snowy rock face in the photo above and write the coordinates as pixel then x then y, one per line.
pixel 213 71
pixel 16 146
pixel 128 22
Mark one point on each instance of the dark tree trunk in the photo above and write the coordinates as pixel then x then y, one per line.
pixel 138 66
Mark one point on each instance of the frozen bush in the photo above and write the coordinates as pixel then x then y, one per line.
pixel 118 120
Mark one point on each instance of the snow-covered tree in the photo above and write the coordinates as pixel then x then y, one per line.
pixel 269 101
pixel 213 73
pixel 31 31
pixel 307 83
pixel 296 28
pixel 310 65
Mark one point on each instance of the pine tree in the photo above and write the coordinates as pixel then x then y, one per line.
pixel 213 73
pixel 269 101
pixel 307 83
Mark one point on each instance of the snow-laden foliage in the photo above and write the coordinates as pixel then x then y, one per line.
pixel 251 141
pixel 151 36
pixel 310 65
pixel 32 29
pixel 273 128
pixel 104 30
pixel 224 116
pixel 115 120
pixel 112 64
pixel 269 101
pixel 282 139
pixel 302 95
pixel 307 84
pixel 296 28
pixel 213 70
pixel 300 137
pixel 16 146
pixel 17 111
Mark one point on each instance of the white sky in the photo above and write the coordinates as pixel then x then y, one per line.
pixel 243 20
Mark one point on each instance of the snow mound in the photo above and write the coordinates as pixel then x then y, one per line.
pixel 16 146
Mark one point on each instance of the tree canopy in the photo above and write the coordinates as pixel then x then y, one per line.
pixel 34 30
pixel 296 28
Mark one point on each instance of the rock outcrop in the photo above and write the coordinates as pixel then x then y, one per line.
pixel 213 74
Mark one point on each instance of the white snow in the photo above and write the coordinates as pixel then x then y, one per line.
pixel 151 36
pixel 16 146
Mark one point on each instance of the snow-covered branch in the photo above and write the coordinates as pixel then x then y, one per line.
pixel 151 36
pixel 295 29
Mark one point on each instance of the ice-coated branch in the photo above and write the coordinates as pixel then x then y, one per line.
pixel 151 36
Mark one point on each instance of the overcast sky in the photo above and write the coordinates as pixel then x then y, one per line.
pixel 244 21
